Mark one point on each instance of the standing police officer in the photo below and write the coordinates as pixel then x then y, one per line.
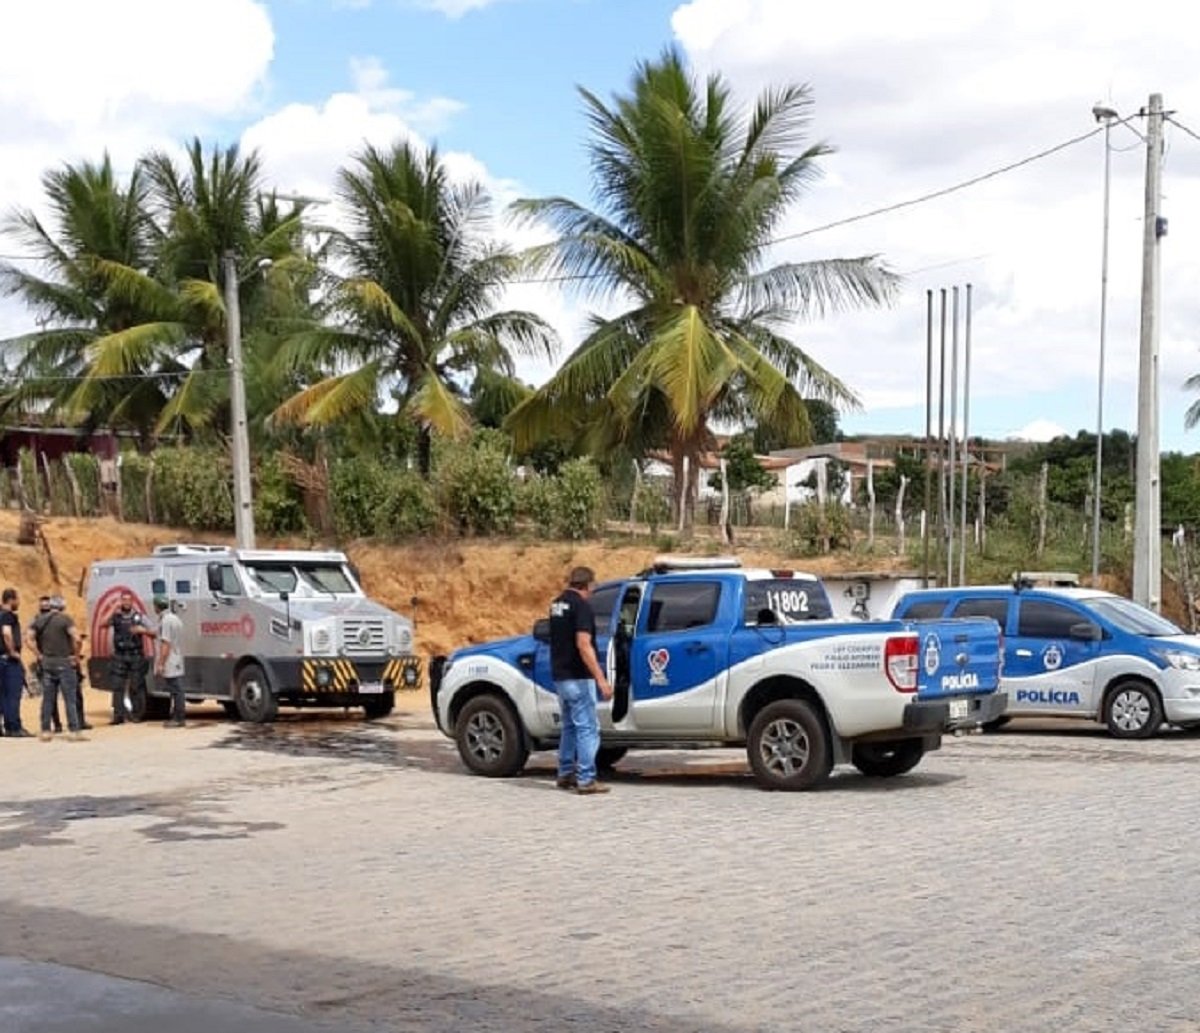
pixel 127 670
pixel 58 647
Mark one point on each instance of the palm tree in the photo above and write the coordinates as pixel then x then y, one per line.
pixel 412 310
pixel 99 230
pixel 690 192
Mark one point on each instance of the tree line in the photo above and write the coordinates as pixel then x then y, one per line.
pixel 383 330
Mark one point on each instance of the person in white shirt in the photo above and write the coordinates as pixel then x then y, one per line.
pixel 168 662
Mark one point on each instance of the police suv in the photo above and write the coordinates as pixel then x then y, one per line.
pixel 704 653
pixel 261 627
pixel 1076 652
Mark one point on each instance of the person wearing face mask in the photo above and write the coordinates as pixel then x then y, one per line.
pixel 12 671
pixel 127 671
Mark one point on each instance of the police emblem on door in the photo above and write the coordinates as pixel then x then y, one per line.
pixel 1052 657
pixel 932 655
pixel 658 659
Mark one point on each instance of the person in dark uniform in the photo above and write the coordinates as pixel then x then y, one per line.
pixel 33 636
pixel 577 678
pixel 127 669
pixel 12 670
pixel 48 605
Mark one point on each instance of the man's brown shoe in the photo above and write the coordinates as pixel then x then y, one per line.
pixel 566 782
pixel 591 789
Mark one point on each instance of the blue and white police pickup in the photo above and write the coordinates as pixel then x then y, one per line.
pixel 1077 652
pixel 705 653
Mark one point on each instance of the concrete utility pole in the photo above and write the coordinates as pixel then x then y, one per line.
pixel 243 499
pixel 1147 541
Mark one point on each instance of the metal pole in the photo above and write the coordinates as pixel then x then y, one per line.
pixel 941 469
pixel 928 437
pixel 951 469
pixel 243 499
pixel 1147 545
pixel 1100 373
pixel 966 451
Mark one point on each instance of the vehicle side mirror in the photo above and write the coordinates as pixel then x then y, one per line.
pixel 284 597
pixel 541 629
pixel 1086 631
pixel 767 616
pixel 215 582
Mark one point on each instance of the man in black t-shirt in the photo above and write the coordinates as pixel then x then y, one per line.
pixel 577 677
pixel 12 671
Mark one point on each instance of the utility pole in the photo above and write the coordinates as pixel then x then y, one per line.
pixel 243 499
pixel 1147 543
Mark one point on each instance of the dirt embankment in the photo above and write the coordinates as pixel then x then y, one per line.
pixel 468 590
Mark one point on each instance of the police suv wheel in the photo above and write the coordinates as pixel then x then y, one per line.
pixel 1132 710
pixel 255 701
pixel 489 738
pixel 788 746
pixel 887 759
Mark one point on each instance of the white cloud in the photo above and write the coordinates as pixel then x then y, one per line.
pixel 1037 430
pixel 455 8
pixel 921 96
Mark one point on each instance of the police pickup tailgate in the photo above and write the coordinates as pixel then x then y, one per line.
pixel 959 665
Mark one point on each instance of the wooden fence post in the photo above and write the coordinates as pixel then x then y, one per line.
pixel 1043 484
pixel 900 528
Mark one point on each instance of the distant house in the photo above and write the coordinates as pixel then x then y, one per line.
pixel 54 443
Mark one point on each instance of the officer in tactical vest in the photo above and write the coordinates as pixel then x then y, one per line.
pixel 57 644
pixel 127 669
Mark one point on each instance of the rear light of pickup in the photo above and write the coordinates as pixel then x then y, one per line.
pixel 901 655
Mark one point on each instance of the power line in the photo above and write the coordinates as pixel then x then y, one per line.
pixel 12 379
pixel 1179 125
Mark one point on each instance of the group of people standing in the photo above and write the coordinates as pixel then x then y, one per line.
pixel 57 667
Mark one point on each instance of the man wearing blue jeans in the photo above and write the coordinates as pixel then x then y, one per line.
pixel 577 678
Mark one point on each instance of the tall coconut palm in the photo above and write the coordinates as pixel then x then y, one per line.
pixel 412 311
pixel 690 192
pixel 98 231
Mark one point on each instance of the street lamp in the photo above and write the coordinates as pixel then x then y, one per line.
pixel 1107 115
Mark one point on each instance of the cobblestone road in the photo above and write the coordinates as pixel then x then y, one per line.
pixel 345 873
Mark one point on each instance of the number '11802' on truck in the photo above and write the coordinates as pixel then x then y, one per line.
pixel 703 652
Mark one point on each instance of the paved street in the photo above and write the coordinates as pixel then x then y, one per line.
pixel 353 877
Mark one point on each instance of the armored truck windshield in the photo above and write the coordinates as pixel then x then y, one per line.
pixel 280 576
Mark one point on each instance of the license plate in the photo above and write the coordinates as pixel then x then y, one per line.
pixel 369 687
pixel 959 708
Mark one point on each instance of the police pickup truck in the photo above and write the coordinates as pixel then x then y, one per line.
pixel 1079 652
pixel 705 653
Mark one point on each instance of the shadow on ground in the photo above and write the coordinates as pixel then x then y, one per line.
pixel 394 997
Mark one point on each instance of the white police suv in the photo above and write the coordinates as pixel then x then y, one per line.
pixel 1075 652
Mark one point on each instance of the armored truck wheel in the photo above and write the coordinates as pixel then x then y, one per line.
pixel 379 706
pixel 1132 710
pixel 231 709
pixel 255 701
pixel 489 738
pixel 887 759
pixel 788 746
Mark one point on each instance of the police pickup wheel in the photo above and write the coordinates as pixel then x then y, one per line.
pixel 489 738
pixel 887 759
pixel 255 701
pixel 788 746
pixel 607 756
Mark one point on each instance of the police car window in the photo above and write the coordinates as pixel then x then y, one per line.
pixel 924 610
pixel 793 599
pixel 684 604
pixel 1041 619
pixel 1132 617
pixel 997 609
pixel 603 600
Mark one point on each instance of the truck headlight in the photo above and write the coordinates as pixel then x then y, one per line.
pixel 1179 660
pixel 401 641
pixel 322 640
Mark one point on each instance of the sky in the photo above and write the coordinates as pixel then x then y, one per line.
pixel 914 97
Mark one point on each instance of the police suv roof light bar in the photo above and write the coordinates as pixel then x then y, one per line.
pixel 669 564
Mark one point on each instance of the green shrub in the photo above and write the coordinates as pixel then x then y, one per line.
pixel 537 504
pixel 278 504
pixel 816 529
pixel 578 500
pixel 651 507
pixel 86 469
pixel 371 499
pixel 476 487
pixel 193 488
pixel 35 494
pixel 135 472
